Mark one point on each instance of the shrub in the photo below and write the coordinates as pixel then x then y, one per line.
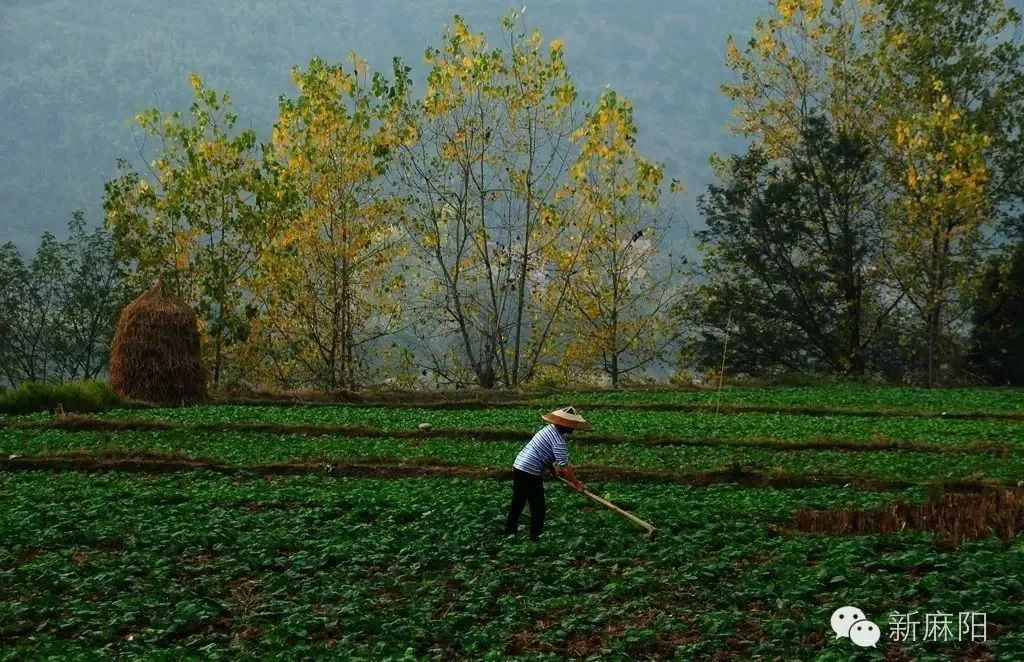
pixel 86 396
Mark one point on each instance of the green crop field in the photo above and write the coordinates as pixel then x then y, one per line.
pixel 342 532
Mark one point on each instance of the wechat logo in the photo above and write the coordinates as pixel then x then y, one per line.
pixel 851 622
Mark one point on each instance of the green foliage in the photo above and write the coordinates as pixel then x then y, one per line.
pixel 997 338
pixel 85 396
pixel 247 449
pixel 875 126
pixel 788 252
pixel 466 186
pixel 326 289
pixel 197 564
pixel 625 286
pixel 975 48
pixel 196 218
pixel 951 85
pixel 487 214
pixel 58 311
pixel 684 425
pixel 872 249
pixel 854 398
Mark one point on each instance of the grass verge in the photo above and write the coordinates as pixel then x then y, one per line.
pixel 85 397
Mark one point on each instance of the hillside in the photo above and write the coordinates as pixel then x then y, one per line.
pixel 71 73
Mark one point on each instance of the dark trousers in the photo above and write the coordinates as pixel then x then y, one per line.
pixel 526 488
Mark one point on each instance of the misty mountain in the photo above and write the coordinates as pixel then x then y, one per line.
pixel 72 73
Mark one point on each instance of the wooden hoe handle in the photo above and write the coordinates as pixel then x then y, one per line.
pixel 651 531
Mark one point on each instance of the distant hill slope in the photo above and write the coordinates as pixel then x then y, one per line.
pixel 71 72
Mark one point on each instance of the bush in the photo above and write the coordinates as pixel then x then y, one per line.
pixel 87 396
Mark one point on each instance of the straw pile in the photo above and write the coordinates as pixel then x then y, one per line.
pixel 155 356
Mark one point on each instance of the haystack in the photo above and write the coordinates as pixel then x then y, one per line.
pixel 155 356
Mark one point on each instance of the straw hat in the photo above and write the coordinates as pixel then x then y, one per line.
pixel 567 417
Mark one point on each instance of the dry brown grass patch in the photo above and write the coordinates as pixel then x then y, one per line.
pixel 952 516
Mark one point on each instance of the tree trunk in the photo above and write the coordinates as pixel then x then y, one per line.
pixel 931 332
pixel 521 302
pixel 854 354
pixel 615 319
pixel 217 358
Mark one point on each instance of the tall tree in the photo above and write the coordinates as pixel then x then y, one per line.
pixel 193 219
pixel 952 97
pixel 327 285
pixel 11 266
pixel 792 231
pixel 931 90
pixel 623 290
pixel 58 311
pixel 805 61
pixel 18 326
pixel 494 127
pixel 32 292
pixel 93 290
pixel 789 250
pixel 936 231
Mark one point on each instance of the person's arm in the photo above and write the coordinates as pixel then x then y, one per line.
pixel 562 466
pixel 567 473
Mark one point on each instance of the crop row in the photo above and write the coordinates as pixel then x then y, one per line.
pixel 881 399
pixel 246 449
pixel 196 564
pixel 629 423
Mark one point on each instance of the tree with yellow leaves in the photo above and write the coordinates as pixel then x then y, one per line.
pixel 929 95
pixel 484 214
pixel 193 217
pixel 623 290
pixel 328 286
pixel 951 92
pixel 805 60
pixel 935 237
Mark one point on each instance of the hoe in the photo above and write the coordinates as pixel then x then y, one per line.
pixel 651 531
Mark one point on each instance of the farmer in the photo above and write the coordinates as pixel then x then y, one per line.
pixel 547 448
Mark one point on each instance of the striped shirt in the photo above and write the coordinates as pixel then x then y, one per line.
pixel 547 446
